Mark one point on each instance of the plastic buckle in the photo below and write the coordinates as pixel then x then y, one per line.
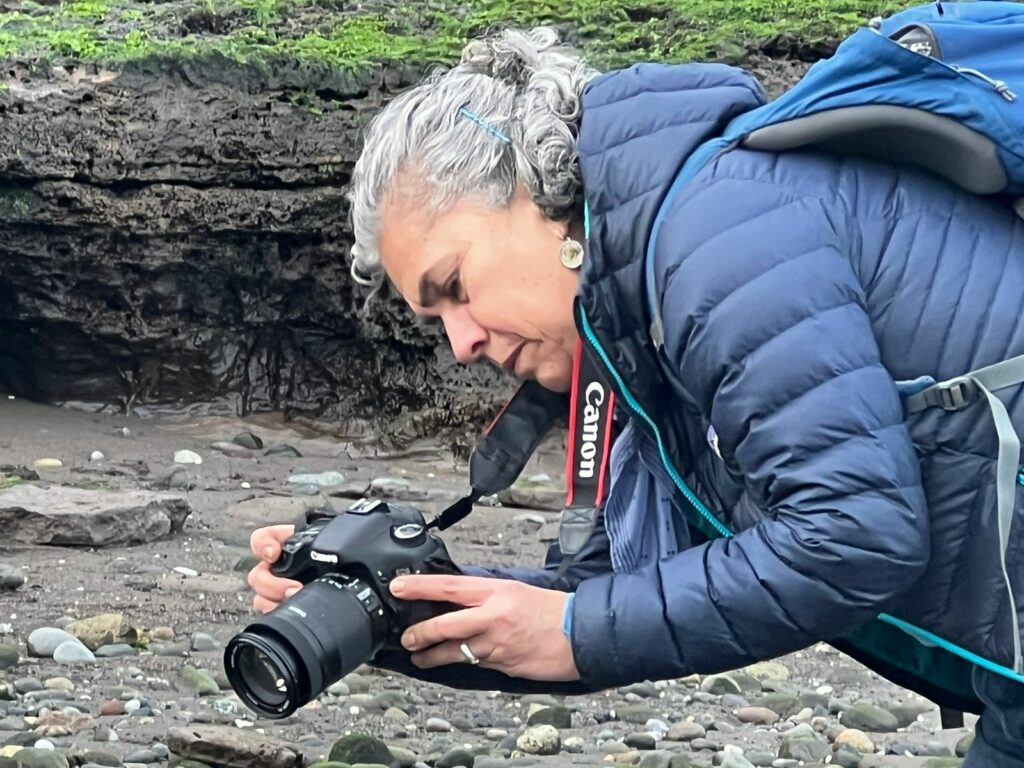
pixel 955 394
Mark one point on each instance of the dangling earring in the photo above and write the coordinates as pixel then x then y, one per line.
pixel 571 253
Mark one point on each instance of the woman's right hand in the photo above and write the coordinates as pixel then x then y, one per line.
pixel 270 590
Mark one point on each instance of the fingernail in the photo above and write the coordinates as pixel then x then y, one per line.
pixel 291 591
pixel 397 586
pixel 409 640
pixel 268 553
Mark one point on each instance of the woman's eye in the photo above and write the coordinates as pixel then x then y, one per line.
pixel 454 289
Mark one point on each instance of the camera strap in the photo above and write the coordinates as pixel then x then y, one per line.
pixel 591 408
pixel 509 442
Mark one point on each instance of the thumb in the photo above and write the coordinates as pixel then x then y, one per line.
pixel 266 542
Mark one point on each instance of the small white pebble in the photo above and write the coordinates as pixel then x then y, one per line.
pixel 246 484
pixel 96 456
pixel 185 571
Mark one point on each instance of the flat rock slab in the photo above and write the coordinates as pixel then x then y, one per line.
pixel 73 517
pixel 231 748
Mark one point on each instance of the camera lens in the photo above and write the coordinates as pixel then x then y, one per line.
pixel 291 654
pixel 262 675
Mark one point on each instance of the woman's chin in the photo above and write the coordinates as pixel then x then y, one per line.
pixel 555 378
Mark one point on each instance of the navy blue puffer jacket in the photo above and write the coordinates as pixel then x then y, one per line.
pixel 795 289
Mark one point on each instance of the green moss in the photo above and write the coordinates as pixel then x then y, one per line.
pixel 9 482
pixel 610 32
pixel 14 203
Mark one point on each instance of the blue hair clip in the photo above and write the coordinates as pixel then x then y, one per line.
pixel 464 111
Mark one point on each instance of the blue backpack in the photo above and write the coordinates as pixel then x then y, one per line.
pixel 939 86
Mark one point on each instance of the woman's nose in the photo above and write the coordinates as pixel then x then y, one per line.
pixel 467 337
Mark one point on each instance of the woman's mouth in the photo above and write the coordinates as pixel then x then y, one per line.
pixel 511 360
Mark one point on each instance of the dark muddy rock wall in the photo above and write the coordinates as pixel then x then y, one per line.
pixel 177 234
pixel 174 234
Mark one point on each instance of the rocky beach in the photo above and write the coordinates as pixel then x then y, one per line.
pixel 122 575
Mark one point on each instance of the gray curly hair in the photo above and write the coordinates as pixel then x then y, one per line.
pixel 507 115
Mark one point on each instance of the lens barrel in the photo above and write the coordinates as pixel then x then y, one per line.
pixel 290 655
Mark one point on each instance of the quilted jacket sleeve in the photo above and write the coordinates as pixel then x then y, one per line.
pixel 766 328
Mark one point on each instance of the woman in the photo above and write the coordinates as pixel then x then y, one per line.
pixel 795 290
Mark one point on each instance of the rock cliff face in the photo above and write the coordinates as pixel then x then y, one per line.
pixel 173 227
pixel 170 238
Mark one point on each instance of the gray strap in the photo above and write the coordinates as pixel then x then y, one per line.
pixel 958 393
pixel 1006 489
pixel 575 529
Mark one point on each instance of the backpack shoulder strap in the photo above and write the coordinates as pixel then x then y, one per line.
pixel 954 395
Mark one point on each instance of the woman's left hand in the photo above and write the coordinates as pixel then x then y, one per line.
pixel 510 626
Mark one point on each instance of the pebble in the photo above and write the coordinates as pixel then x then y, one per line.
pixel 111 709
pixel 557 716
pixel 187 457
pixel 185 571
pixel 735 760
pixel 27 685
pixel 360 748
pixel 47 463
pixel 171 649
pixel 540 740
pixel 867 717
pixel 319 479
pixel 802 743
pixel 757 715
pixel 96 456
pixel 11 578
pixel 73 652
pixel 202 642
pixel 142 756
pixel 720 684
pixel 640 741
pixel 339 688
pixel 9 656
pixel 115 650
pixel 104 733
pixel 200 681
pixel 283 450
pixel 44 641
pixel 698 744
pixel 58 684
pixel 768 670
pixel 635 713
pixel 856 739
pixel 248 440
pixel 685 731
pixel 572 744
pixel 437 725
pixel 13 723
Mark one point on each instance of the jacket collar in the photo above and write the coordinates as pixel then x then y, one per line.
pixel 639 126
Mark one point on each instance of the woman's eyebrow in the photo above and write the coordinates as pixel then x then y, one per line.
pixel 429 287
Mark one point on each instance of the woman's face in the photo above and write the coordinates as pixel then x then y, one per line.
pixel 493 277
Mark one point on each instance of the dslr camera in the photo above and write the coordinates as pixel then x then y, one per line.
pixel 345 613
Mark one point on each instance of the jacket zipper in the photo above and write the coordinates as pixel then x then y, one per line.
pixel 696 505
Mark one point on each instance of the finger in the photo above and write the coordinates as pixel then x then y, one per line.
pixel 272 587
pixel 265 542
pixel 451 653
pixel 457 625
pixel 462 590
pixel 263 605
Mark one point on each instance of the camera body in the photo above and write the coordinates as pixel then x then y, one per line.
pixel 345 614
pixel 372 542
